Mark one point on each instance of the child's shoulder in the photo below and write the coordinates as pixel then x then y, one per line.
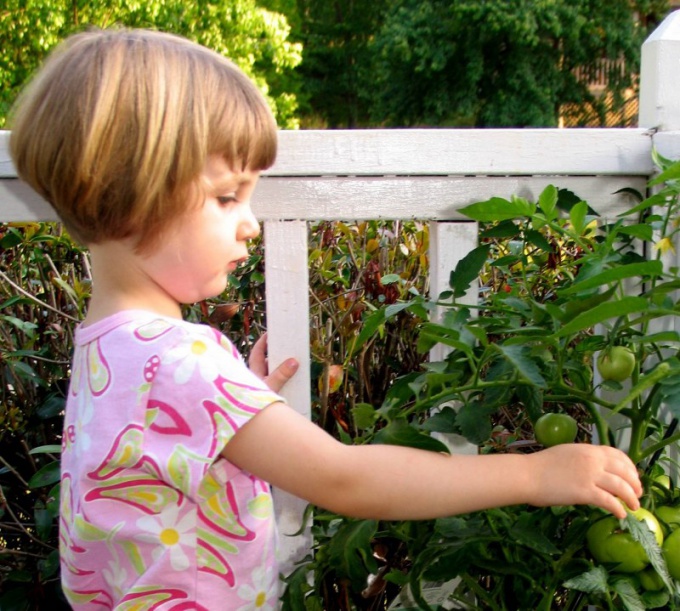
pixel 142 326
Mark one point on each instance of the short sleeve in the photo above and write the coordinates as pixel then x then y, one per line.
pixel 201 393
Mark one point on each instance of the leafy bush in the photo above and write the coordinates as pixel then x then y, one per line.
pixel 560 286
pixel 44 287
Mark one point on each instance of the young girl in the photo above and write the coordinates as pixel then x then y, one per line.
pixel 149 148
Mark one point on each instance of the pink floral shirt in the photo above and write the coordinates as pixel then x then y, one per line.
pixel 152 517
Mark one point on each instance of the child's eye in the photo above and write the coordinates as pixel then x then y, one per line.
pixel 225 200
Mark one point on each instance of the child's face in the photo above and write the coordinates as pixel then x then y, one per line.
pixel 193 260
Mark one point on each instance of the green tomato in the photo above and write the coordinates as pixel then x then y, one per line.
pixel 671 551
pixel 664 481
pixel 554 429
pixel 646 516
pixel 669 515
pixel 608 544
pixel 616 364
pixel 650 580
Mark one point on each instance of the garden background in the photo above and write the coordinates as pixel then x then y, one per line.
pixel 343 64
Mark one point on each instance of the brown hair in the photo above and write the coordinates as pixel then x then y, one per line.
pixel 116 127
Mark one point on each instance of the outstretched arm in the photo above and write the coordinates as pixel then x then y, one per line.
pixel 395 483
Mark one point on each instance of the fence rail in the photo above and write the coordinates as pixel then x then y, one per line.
pixel 426 175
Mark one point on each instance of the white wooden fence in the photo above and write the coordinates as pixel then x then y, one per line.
pixel 426 175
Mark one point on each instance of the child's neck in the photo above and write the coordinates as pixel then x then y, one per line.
pixel 118 285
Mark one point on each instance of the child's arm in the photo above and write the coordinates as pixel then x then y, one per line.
pixel 394 483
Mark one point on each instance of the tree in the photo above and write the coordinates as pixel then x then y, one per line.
pixel 487 63
pixel 255 38
pixel 337 57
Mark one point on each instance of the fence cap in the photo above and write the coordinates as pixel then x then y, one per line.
pixel 668 30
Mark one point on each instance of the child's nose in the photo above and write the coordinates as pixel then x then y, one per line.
pixel 250 227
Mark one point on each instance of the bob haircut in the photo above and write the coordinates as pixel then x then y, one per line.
pixel 115 129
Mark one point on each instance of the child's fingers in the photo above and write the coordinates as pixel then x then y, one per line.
pixel 284 372
pixel 621 490
pixel 257 361
pixel 620 481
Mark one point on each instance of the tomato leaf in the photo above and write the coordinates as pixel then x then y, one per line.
pixel 641 533
pixel 519 357
pixel 629 597
pixel 443 421
pixel 467 270
pixel 400 433
pixel 603 312
pixel 527 532
pixel 498 209
pixel 592 581
pixel 350 553
pixel 364 415
pixel 474 420
pixel 532 399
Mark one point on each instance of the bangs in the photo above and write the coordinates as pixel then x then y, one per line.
pixel 242 128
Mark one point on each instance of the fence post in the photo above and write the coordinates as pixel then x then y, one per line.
pixel 449 243
pixel 660 77
pixel 287 292
pixel 660 110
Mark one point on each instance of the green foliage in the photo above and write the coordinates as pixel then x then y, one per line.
pixel 256 39
pixel 335 70
pixel 44 286
pixel 44 289
pixel 472 62
pixel 358 270
pixel 559 285
pixel 502 64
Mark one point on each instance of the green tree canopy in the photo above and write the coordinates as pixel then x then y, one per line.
pixel 336 36
pixel 255 38
pixel 464 62
pixel 503 63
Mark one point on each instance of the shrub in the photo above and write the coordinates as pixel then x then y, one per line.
pixel 44 288
pixel 559 285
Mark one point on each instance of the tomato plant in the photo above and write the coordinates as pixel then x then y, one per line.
pixel 555 429
pixel 616 363
pixel 554 294
pixel 610 545
pixel 650 580
pixel 671 549
pixel 669 516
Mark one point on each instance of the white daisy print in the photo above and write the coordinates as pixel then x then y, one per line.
pixel 193 354
pixel 84 408
pixel 255 595
pixel 171 534
pixel 116 577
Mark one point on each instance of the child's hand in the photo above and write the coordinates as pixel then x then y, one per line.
pixel 586 474
pixel 259 366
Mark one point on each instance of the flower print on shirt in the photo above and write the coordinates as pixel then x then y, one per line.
pixel 262 591
pixel 194 353
pixel 157 517
pixel 116 576
pixel 171 533
pixel 92 377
